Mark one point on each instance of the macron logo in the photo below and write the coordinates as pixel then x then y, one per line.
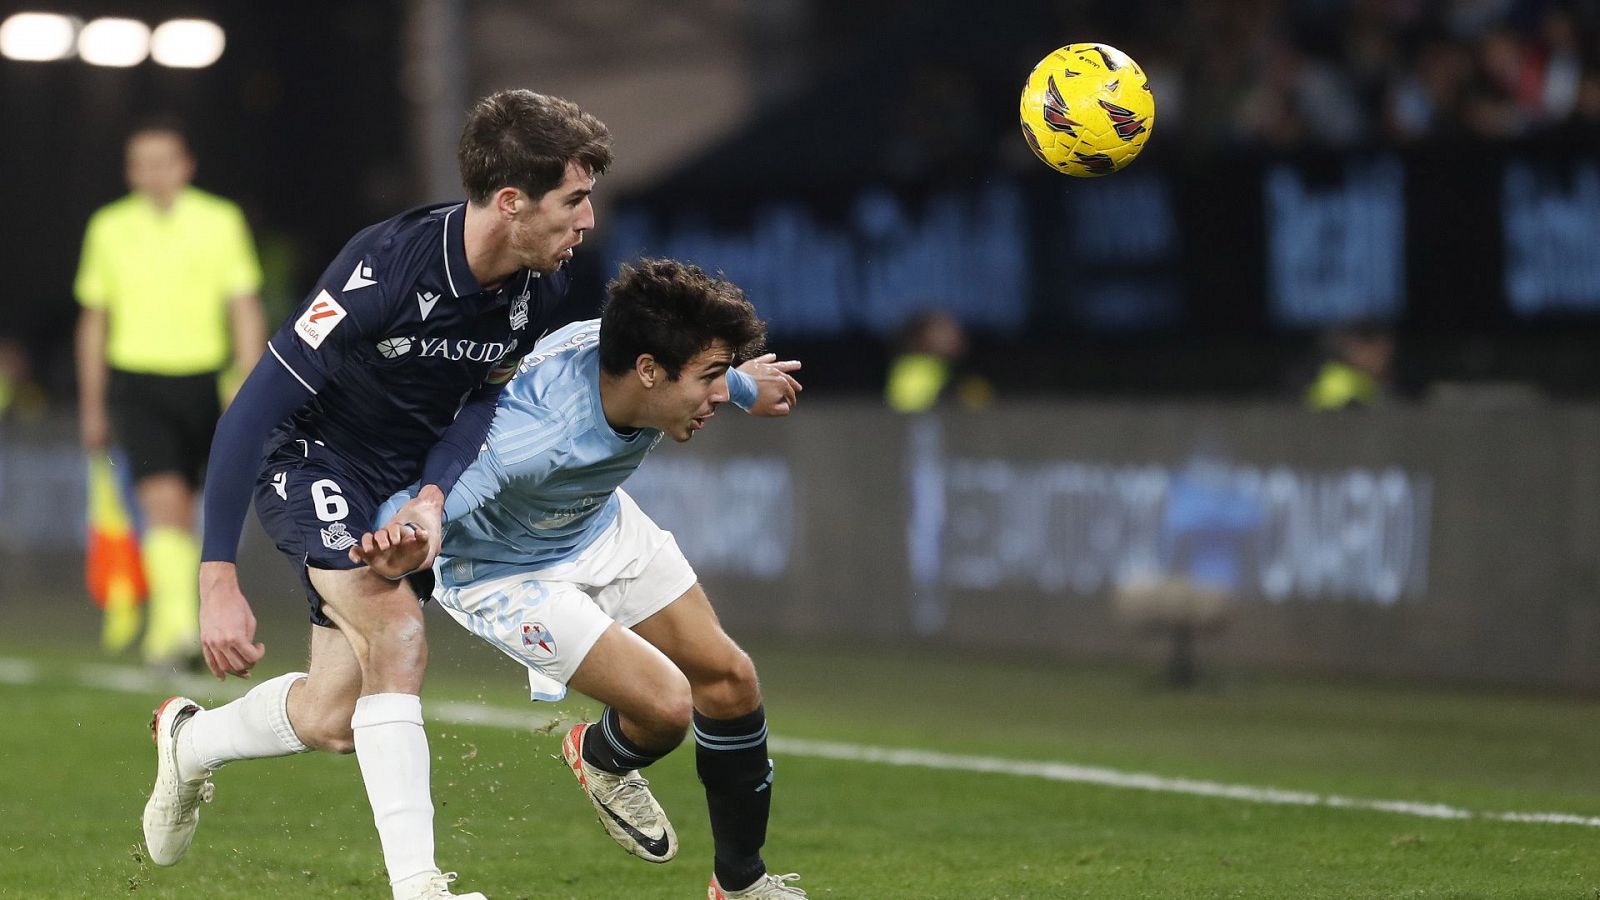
pixel 426 300
pixel 360 278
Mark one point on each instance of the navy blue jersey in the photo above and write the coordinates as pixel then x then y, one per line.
pixel 395 335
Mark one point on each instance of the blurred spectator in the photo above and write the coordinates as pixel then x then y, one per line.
pixel 21 398
pixel 928 370
pixel 1358 371
pixel 168 277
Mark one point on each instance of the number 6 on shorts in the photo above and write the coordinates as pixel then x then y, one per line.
pixel 326 499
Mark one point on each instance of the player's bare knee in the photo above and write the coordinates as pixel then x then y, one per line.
pixel 728 689
pixel 671 707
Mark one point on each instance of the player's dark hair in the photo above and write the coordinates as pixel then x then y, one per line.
pixel 673 311
pixel 524 140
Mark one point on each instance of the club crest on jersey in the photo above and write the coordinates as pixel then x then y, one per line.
pixel 519 310
pixel 320 318
pixel 338 537
pixel 538 640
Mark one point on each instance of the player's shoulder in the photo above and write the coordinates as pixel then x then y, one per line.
pixel 205 202
pixel 120 210
pixel 557 373
pixel 415 229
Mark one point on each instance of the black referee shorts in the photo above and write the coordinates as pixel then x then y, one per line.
pixel 164 422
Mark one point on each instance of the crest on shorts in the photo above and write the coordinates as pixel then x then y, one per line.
pixel 337 537
pixel 538 640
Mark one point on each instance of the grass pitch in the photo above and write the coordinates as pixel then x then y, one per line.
pixel 78 764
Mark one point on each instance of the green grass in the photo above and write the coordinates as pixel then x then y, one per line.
pixel 77 765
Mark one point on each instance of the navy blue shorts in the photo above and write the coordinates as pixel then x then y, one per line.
pixel 315 512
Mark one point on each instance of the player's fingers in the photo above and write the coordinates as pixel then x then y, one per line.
pixel 212 664
pixel 231 663
pixel 765 358
pixel 787 365
pixel 254 652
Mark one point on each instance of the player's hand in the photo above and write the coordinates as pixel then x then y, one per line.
pixel 776 390
pixel 409 541
pixel 94 428
pixel 227 626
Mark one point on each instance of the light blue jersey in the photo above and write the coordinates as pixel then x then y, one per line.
pixel 544 484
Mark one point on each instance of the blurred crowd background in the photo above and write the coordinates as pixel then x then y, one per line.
pixel 847 120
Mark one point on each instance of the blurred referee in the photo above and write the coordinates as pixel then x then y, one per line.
pixel 168 284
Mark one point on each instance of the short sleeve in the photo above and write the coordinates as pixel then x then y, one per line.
pixel 92 286
pixel 241 269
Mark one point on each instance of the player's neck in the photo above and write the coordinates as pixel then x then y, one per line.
pixel 489 256
pixel 621 407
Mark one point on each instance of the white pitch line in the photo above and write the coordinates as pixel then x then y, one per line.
pixel 127 679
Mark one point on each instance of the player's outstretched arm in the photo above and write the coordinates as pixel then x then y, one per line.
pixel 409 541
pixel 776 391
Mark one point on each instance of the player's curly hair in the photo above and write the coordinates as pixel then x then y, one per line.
pixel 520 139
pixel 673 310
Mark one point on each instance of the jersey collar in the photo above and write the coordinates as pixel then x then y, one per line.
pixel 457 274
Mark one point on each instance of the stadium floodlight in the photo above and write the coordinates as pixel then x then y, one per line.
pixel 187 43
pixel 37 37
pixel 114 42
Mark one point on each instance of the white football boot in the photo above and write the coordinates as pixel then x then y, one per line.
pixel 623 803
pixel 767 887
pixel 430 886
pixel 173 810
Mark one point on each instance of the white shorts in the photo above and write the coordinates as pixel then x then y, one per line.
pixel 549 618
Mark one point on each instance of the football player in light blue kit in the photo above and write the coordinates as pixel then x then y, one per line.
pixel 545 557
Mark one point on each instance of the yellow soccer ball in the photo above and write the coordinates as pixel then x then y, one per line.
pixel 1087 110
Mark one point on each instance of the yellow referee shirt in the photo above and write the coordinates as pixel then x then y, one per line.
pixel 165 280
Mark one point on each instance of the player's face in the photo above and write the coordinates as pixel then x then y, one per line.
pixel 159 166
pixel 544 233
pixel 684 405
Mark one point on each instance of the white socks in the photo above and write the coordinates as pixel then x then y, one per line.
pixel 255 726
pixel 392 749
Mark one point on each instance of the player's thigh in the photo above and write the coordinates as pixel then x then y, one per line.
pixel 552 627
pixel 622 670
pixel 371 610
pixel 314 513
pixel 688 632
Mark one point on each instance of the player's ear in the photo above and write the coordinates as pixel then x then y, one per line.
pixel 508 201
pixel 648 370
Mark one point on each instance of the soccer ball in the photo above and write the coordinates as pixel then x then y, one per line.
pixel 1087 110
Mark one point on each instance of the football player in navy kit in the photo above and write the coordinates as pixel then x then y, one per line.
pixel 419 321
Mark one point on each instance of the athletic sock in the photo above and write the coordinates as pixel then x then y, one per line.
pixel 392 749
pixel 731 756
pixel 255 726
pixel 605 746
pixel 171 563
